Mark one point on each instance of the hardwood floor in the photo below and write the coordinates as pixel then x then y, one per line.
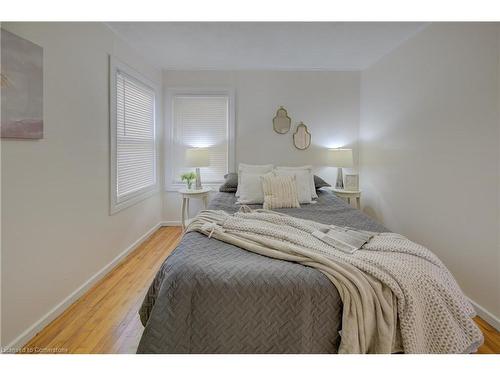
pixel 491 338
pixel 105 319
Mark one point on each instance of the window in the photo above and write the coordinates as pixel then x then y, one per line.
pixel 200 118
pixel 133 137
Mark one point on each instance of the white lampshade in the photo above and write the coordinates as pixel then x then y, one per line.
pixel 340 157
pixel 197 157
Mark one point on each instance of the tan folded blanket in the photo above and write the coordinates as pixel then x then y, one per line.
pixel 397 295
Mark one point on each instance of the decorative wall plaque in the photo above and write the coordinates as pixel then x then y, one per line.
pixel 301 137
pixel 281 122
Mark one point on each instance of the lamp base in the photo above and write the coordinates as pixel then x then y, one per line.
pixel 198 180
pixel 340 179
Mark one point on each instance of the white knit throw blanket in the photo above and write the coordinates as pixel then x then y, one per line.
pixel 396 294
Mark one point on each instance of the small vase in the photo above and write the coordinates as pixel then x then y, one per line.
pixel 189 184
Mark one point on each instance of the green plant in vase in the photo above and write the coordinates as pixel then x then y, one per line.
pixel 188 177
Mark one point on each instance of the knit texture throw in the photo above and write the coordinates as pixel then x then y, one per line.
pixel 397 295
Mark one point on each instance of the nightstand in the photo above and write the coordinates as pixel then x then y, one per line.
pixel 187 194
pixel 348 195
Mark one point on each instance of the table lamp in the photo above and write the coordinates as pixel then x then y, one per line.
pixel 340 157
pixel 197 157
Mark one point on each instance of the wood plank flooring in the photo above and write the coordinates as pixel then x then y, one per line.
pixel 105 319
pixel 491 338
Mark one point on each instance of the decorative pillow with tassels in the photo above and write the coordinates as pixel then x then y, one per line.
pixel 279 191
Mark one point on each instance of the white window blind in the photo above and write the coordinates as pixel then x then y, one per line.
pixel 135 136
pixel 201 121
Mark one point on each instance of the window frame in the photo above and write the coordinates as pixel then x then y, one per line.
pixel 170 183
pixel 119 203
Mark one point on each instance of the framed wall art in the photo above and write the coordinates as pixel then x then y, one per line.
pixel 22 88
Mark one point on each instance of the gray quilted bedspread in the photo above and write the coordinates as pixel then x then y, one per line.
pixel 213 297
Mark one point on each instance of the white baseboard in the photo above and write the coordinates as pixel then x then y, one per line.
pixel 486 315
pixel 174 223
pixel 29 333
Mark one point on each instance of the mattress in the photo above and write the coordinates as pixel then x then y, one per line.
pixel 213 297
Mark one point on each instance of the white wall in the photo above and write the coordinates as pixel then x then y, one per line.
pixel 57 231
pixel 327 102
pixel 429 149
pixel 498 190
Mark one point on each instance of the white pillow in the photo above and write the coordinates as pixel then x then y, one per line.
pixel 279 191
pixel 303 181
pixel 255 169
pixel 311 183
pixel 250 188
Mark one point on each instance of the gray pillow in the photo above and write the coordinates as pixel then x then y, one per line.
pixel 319 182
pixel 230 184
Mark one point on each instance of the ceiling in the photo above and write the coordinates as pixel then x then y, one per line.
pixel 269 46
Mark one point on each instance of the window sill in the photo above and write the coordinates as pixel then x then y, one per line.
pixel 117 207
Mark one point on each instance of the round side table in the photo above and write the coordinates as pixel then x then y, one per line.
pixel 187 194
pixel 349 194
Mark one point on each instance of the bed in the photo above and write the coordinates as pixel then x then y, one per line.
pixel 213 297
